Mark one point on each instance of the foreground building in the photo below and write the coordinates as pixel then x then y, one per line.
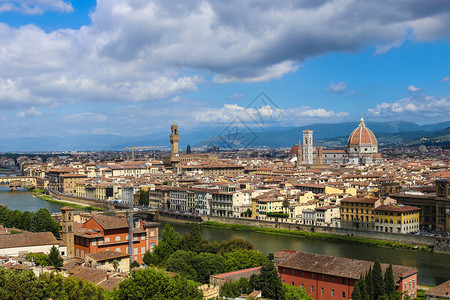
pixel 328 277
pixel 107 233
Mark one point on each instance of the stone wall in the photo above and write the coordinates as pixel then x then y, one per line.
pixel 81 200
pixel 394 237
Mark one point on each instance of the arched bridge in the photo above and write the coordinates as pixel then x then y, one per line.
pixel 17 182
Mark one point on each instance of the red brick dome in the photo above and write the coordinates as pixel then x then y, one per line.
pixel 361 136
pixel 294 150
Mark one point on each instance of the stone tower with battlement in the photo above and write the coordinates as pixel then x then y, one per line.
pixel 174 139
pixel 308 149
pixel 67 230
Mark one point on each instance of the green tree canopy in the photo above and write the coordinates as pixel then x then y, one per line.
pixel 15 284
pixel 389 281
pixel 155 284
pixel 378 280
pixel 170 241
pixel 295 293
pixel 194 241
pixel 54 258
pixel 243 259
pixel 272 287
pixel 42 222
pixel 356 294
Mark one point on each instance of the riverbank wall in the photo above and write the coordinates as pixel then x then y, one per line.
pixel 392 237
pixel 81 200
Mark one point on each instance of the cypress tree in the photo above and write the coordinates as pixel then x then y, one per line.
pixel 369 284
pixel 356 295
pixel 363 288
pixel 389 281
pixel 378 281
pixel 272 287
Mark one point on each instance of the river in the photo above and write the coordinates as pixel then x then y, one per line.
pixel 23 200
pixel 433 268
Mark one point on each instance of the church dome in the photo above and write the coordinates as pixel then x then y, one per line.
pixel 361 136
pixel 293 150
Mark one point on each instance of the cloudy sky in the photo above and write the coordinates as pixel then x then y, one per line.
pixel 132 67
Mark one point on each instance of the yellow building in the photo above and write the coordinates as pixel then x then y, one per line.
pixel 358 213
pixel 397 218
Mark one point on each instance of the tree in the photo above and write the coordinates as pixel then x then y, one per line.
pixel 170 241
pixel 181 262
pixel 25 285
pixel 39 259
pixel 243 259
pixel 54 258
pixel 234 289
pixel 234 244
pixel 378 281
pixel 295 293
pixel 363 288
pixel 115 264
pixel 356 295
pixel 134 264
pixel 272 287
pixel 42 221
pixel 193 241
pixel 188 149
pixel 144 196
pixel 207 264
pixel 286 205
pixel 389 281
pixel 369 284
pixel 155 284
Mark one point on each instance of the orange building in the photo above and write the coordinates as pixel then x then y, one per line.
pixel 330 277
pixel 109 233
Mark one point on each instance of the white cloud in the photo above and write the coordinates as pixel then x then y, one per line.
pixel 229 112
pixel 35 7
pixel 88 116
pixel 308 112
pixel 415 106
pixel 336 88
pixel 446 78
pixel 413 89
pixel 236 96
pixel 141 51
pixel 31 112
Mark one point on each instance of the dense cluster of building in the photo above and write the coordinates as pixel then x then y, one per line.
pixel 352 188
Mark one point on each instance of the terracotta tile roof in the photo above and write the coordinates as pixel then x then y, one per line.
pixel 93 275
pixel 27 239
pixel 110 222
pixel 236 275
pixel 440 291
pixel 111 283
pixel 106 255
pixel 397 208
pixel 360 200
pixel 338 266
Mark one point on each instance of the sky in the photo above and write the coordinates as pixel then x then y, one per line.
pixel 133 67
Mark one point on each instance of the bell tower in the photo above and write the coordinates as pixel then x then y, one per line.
pixel 174 139
pixel 67 230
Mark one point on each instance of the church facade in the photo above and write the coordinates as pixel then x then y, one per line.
pixel 362 148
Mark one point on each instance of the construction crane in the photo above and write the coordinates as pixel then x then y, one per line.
pixel 141 148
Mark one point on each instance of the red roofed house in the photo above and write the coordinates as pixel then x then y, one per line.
pixel 109 233
pixel 329 277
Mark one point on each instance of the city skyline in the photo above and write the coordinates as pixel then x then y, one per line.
pixel 132 67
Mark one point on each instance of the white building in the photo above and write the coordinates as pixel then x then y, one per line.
pixel 23 243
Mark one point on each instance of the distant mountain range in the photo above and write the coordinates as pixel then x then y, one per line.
pixel 328 135
pixel 336 135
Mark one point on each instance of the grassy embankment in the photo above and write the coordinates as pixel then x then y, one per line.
pixel 318 236
pixel 40 194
